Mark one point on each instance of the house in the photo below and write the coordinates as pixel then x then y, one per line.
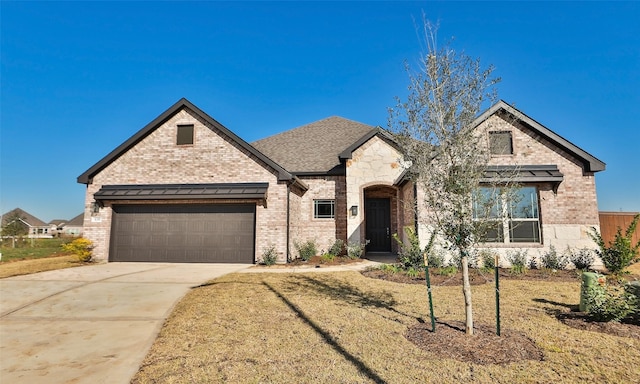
pixel 34 228
pixel 187 189
pixel 73 227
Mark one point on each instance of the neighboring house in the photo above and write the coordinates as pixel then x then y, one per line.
pixel 36 228
pixel 186 189
pixel 73 227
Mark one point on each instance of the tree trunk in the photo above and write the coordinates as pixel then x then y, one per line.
pixel 466 290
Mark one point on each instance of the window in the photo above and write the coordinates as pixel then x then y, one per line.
pixel 324 209
pixel 185 135
pixel 500 143
pixel 513 219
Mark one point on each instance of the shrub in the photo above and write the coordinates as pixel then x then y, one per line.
pixel 336 248
pixel 553 260
pixel 390 268
pixel 609 303
pixel 435 259
pixel 449 270
pixel 518 261
pixel 80 247
pixel 583 258
pixel 413 272
pixel 621 253
pixel 410 254
pixel 269 255
pixel 327 257
pixel 533 263
pixel 306 250
pixel 355 250
pixel 488 260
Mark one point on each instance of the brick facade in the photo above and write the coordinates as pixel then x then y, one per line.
pixel 213 158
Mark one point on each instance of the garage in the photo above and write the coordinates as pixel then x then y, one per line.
pixel 183 233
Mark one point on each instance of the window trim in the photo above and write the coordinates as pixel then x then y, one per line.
pixel 332 208
pixel 506 218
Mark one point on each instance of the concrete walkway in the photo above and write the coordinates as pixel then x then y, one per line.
pixel 92 324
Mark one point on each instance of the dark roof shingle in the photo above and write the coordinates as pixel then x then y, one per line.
pixel 315 147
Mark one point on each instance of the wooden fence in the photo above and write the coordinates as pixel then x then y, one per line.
pixel 610 221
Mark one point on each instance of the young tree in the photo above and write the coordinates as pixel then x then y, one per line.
pixel 447 156
pixel 15 226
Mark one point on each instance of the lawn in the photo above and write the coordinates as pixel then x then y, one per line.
pixel 344 327
pixel 31 249
pixel 44 255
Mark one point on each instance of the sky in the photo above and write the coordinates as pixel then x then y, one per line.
pixel 79 78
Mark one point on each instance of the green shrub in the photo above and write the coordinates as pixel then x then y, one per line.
pixel 552 260
pixel 390 268
pixel 410 255
pixel 607 302
pixel 449 270
pixel 306 250
pixel 533 263
pixel 518 261
pixel 269 255
pixel 327 257
pixel 80 247
pixel 583 258
pixel 413 272
pixel 336 247
pixel 435 258
pixel 355 250
pixel 621 253
pixel 488 260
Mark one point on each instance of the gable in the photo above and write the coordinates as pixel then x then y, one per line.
pixel 536 140
pixel 157 142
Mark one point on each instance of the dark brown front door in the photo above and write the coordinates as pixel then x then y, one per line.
pixel 378 225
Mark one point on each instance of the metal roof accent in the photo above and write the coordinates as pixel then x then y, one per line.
pixel 523 174
pixel 182 191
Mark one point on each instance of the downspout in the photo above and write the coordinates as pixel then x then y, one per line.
pixel 288 219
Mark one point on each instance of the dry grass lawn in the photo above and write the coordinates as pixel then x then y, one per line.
pixel 25 267
pixel 346 328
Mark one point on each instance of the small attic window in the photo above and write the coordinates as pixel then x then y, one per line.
pixel 500 143
pixel 185 135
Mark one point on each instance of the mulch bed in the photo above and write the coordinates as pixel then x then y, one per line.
pixel 484 347
pixel 314 262
pixel 581 320
pixel 476 276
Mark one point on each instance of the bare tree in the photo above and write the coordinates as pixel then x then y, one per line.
pixel 445 154
pixel 15 227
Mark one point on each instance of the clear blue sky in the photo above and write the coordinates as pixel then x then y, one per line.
pixel 79 78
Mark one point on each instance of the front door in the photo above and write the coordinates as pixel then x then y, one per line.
pixel 378 225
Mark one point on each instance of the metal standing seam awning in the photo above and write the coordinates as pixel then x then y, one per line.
pixel 523 174
pixel 182 191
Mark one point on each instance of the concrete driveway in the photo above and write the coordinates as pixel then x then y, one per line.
pixel 92 324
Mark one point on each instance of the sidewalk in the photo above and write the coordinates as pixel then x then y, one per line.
pixel 370 261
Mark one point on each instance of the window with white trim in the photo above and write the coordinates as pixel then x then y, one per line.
pixel 324 209
pixel 509 219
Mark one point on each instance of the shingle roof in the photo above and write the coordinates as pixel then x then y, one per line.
pixel 315 147
pixel 28 218
pixel 77 221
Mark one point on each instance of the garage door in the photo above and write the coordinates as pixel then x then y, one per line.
pixel 217 233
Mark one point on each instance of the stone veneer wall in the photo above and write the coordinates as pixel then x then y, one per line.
pixel 213 158
pixel 373 163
